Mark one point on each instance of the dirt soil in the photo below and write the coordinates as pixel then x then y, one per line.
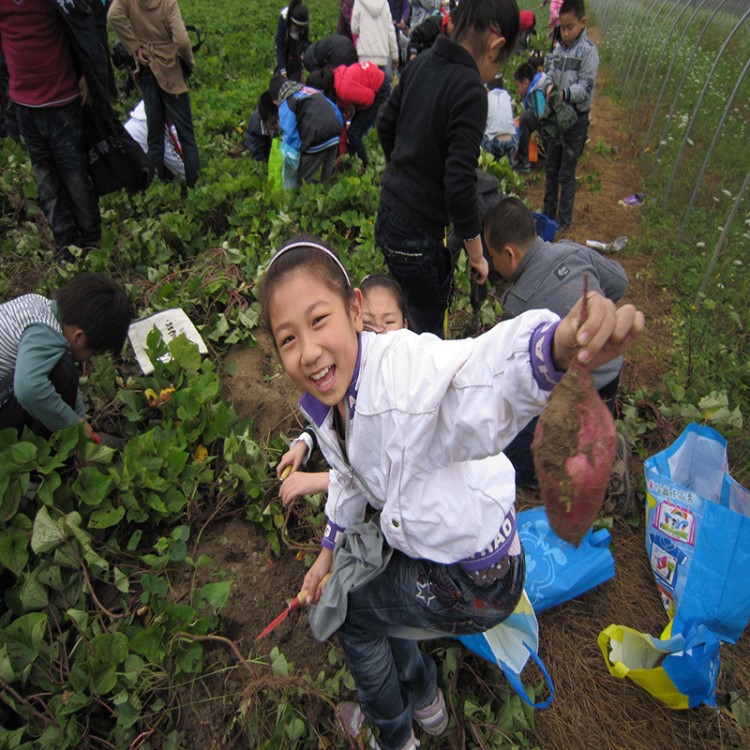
pixel 591 708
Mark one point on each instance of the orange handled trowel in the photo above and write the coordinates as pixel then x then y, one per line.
pixel 296 603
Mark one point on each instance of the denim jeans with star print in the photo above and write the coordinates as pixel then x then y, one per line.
pixel 414 600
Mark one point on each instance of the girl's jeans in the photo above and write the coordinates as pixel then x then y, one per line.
pixel 411 600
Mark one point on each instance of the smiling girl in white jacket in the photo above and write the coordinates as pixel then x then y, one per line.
pixel 415 426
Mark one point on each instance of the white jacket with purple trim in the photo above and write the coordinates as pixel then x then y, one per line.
pixel 426 423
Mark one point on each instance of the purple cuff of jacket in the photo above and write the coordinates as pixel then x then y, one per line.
pixel 331 534
pixel 540 352
pixel 496 550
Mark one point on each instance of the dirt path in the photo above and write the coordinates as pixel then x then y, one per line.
pixel 608 172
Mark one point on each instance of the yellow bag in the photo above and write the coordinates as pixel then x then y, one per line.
pixel 680 670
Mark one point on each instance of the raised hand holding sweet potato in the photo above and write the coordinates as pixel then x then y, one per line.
pixel 607 332
pixel 575 437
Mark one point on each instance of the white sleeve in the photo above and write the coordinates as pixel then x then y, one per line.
pixel 465 400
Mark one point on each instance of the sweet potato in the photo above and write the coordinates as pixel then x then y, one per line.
pixel 574 449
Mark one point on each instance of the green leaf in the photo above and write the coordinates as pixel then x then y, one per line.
pixel 32 594
pixel 91 485
pixel 127 715
pixel 215 595
pixel 279 665
pixel 47 488
pixel 14 549
pixel 190 658
pixel 106 652
pixel 74 703
pixel 6 668
pixel 148 643
pixel 79 617
pixel 47 534
pixel 121 581
pixel 106 518
pixel 23 455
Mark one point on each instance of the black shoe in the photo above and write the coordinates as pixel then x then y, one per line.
pixel 522 167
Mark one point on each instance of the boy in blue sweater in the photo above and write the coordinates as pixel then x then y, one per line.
pixel 40 342
pixel 572 67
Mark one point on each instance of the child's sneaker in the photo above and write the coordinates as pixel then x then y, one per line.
pixel 522 167
pixel 433 718
pixel 352 720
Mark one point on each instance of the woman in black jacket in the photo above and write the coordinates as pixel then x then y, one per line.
pixel 431 129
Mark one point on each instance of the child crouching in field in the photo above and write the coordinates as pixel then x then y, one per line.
pixel 40 342
pixel 415 426
pixel 383 310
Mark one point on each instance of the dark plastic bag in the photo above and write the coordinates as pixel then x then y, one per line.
pixel 115 160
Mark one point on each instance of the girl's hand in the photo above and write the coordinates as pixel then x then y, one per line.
pixel 607 332
pixel 293 458
pixel 315 575
pixel 302 483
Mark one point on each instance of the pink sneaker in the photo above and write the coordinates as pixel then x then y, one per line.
pixel 352 720
pixel 433 718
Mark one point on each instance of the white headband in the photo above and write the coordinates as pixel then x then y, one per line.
pixel 308 243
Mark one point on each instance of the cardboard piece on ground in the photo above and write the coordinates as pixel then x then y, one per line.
pixel 171 323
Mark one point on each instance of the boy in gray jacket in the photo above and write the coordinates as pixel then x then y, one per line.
pixel 545 275
pixel 572 67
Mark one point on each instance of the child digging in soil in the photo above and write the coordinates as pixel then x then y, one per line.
pixel 415 426
pixel 550 275
pixel 40 342
pixel 383 310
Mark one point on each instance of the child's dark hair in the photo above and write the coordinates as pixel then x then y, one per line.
pixel 524 72
pixel 385 281
pixel 576 7
pixel 322 79
pixel 266 108
pixel 317 259
pixel 274 87
pixel 99 307
pixel 472 20
pixel 509 222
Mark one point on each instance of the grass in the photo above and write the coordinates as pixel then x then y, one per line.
pixel 686 212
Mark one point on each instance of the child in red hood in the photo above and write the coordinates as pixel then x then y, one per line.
pixel 359 90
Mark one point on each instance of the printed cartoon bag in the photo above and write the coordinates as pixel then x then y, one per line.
pixel 698 533
pixel 679 669
pixel 557 571
pixel 509 646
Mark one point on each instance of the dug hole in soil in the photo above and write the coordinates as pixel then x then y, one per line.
pixel 591 709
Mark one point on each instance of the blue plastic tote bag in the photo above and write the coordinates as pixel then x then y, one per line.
pixel 698 533
pixel 557 571
pixel 509 646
